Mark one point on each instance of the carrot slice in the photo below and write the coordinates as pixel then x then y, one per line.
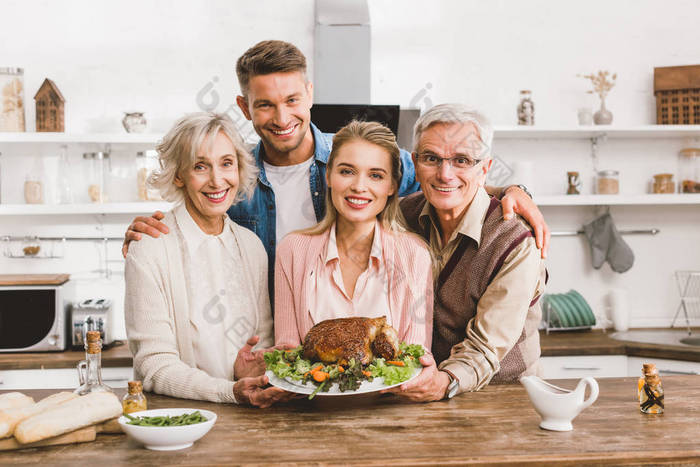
pixel 395 363
pixel 367 373
pixel 320 376
pixel 341 369
pixel 317 367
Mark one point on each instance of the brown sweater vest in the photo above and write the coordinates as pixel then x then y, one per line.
pixel 464 280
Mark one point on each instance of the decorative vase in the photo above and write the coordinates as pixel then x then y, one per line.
pixel 602 116
pixel 134 122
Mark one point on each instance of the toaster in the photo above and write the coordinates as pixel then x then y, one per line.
pixel 90 315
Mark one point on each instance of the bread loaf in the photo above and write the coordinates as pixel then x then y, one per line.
pixel 9 418
pixel 11 400
pixel 69 416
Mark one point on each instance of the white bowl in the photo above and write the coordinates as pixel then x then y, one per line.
pixel 167 438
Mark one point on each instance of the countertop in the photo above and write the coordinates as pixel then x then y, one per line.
pixel 598 342
pixel 595 342
pixel 494 426
pixel 116 355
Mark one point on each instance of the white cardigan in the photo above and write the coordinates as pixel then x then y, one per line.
pixel 158 320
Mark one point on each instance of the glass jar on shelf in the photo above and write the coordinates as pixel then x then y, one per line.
pixel 146 165
pixel 12 102
pixel 94 172
pixel 526 109
pixel 34 183
pixel 689 170
pixel 608 182
pixel 663 183
pixel 64 189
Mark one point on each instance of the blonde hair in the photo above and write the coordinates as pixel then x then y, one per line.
pixel 269 57
pixel 181 144
pixel 375 133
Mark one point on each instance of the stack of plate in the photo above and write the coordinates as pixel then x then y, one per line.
pixel 567 311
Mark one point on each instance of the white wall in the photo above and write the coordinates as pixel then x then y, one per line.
pixel 154 56
pixel 483 53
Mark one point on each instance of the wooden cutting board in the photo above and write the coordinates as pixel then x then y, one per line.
pixel 83 435
pixel 33 279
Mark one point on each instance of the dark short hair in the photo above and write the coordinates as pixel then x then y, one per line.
pixel 268 57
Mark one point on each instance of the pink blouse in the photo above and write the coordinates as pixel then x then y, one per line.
pixel 409 286
pixel 329 297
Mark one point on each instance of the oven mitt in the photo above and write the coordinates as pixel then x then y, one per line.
pixel 607 245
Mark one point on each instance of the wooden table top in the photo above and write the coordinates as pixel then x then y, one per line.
pixel 494 426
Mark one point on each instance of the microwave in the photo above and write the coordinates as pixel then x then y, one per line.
pixel 34 312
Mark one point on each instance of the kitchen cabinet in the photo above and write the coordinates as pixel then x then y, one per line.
pixel 607 366
pixel 579 366
pixel 60 378
pixel 665 366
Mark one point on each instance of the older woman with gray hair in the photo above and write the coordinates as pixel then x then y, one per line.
pixel 195 297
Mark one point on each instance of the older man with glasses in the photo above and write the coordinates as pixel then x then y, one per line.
pixel 489 272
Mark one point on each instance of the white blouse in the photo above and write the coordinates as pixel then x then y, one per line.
pixel 222 312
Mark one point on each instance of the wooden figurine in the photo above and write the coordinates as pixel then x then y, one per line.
pixel 49 107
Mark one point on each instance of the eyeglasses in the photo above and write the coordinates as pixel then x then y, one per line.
pixel 457 162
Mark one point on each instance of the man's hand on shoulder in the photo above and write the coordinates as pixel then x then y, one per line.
pixel 517 201
pixel 149 225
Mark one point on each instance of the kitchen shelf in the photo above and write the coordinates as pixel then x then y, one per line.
pixel 146 207
pixel 617 200
pixel 500 131
pixel 587 132
pixel 100 138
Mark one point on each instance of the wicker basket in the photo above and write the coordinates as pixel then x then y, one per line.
pixel 677 91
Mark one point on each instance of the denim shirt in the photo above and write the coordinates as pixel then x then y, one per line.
pixel 259 212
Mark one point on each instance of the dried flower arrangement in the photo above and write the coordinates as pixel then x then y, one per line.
pixel 601 85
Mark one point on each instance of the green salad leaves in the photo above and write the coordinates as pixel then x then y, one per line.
pixel 290 364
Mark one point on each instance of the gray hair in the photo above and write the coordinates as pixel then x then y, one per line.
pixel 181 144
pixel 459 114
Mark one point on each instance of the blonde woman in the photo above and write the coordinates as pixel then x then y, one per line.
pixel 195 297
pixel 357 261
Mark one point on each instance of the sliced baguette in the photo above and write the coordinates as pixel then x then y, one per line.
pixel 11 400
pixel 69 416
pixel 9 418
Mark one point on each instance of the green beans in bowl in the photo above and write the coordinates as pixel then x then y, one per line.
pixel 167 429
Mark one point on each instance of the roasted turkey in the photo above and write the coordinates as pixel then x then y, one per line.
pixel 339 340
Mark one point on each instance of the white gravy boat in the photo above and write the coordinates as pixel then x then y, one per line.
pixel 558 406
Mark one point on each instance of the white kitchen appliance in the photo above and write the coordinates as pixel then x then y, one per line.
pixel 90 315
pixel 34 312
